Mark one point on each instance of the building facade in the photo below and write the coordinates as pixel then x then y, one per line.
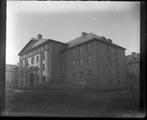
pixel 89 60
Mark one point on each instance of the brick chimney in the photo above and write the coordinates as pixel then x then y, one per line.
pixel 83 34
pixel 39 36
pixel 109 40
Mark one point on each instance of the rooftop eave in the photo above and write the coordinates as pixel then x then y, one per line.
pixel 95 39
pixel 48 40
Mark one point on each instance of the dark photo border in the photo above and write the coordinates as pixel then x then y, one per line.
pixel 143 52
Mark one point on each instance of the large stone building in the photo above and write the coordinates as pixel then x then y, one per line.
pixel 89 60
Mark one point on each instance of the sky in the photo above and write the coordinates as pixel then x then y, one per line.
pixel 65 20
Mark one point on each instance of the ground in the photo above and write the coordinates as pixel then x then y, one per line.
pixel 72 103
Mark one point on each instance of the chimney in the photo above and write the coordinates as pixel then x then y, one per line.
pixel 102 38
pixel 39 36
pixel 83 34
pixel 109 40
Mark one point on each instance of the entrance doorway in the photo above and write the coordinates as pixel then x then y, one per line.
pixel 32 79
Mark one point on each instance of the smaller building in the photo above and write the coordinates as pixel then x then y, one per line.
pixel 10 75
pixel 133 69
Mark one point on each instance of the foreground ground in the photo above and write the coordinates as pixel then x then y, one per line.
pixel 72 103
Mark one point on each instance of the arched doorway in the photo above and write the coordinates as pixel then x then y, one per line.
pixel 31 79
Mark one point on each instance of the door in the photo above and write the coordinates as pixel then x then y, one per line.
pixel 31 79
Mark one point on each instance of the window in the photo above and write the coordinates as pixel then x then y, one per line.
pixel 110 75
pixel 43 79
pixel 89 72
pixel 43 56
pixel 73 75
pixel 46 47
pixel 118 75
pixel 22 73
pixel 81 61
pixel 23 63
pixel 109 60
pixel 73 63
pixel 81 74
pixel 89 59
pixel 73 52
pixel 32 60
pixel 37 58
pixel 27 63
pixel 117 62
pixel 108 49
pixel 43 66
pixel 88 47
pixel 81 50
pixel 116 52
pixel 110 79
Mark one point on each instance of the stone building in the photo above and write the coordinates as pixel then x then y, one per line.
pixel 10 75
pixel 89 60
pixel 133 69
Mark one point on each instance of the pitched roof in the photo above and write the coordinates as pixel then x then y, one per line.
pixel 34 43
pixel 28 46
pixel 88 37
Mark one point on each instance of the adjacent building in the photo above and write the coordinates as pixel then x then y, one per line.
pixel 10 75
pixel 89 60
pixel 133 69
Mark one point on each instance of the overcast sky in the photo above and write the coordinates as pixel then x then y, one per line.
pixel 64 21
